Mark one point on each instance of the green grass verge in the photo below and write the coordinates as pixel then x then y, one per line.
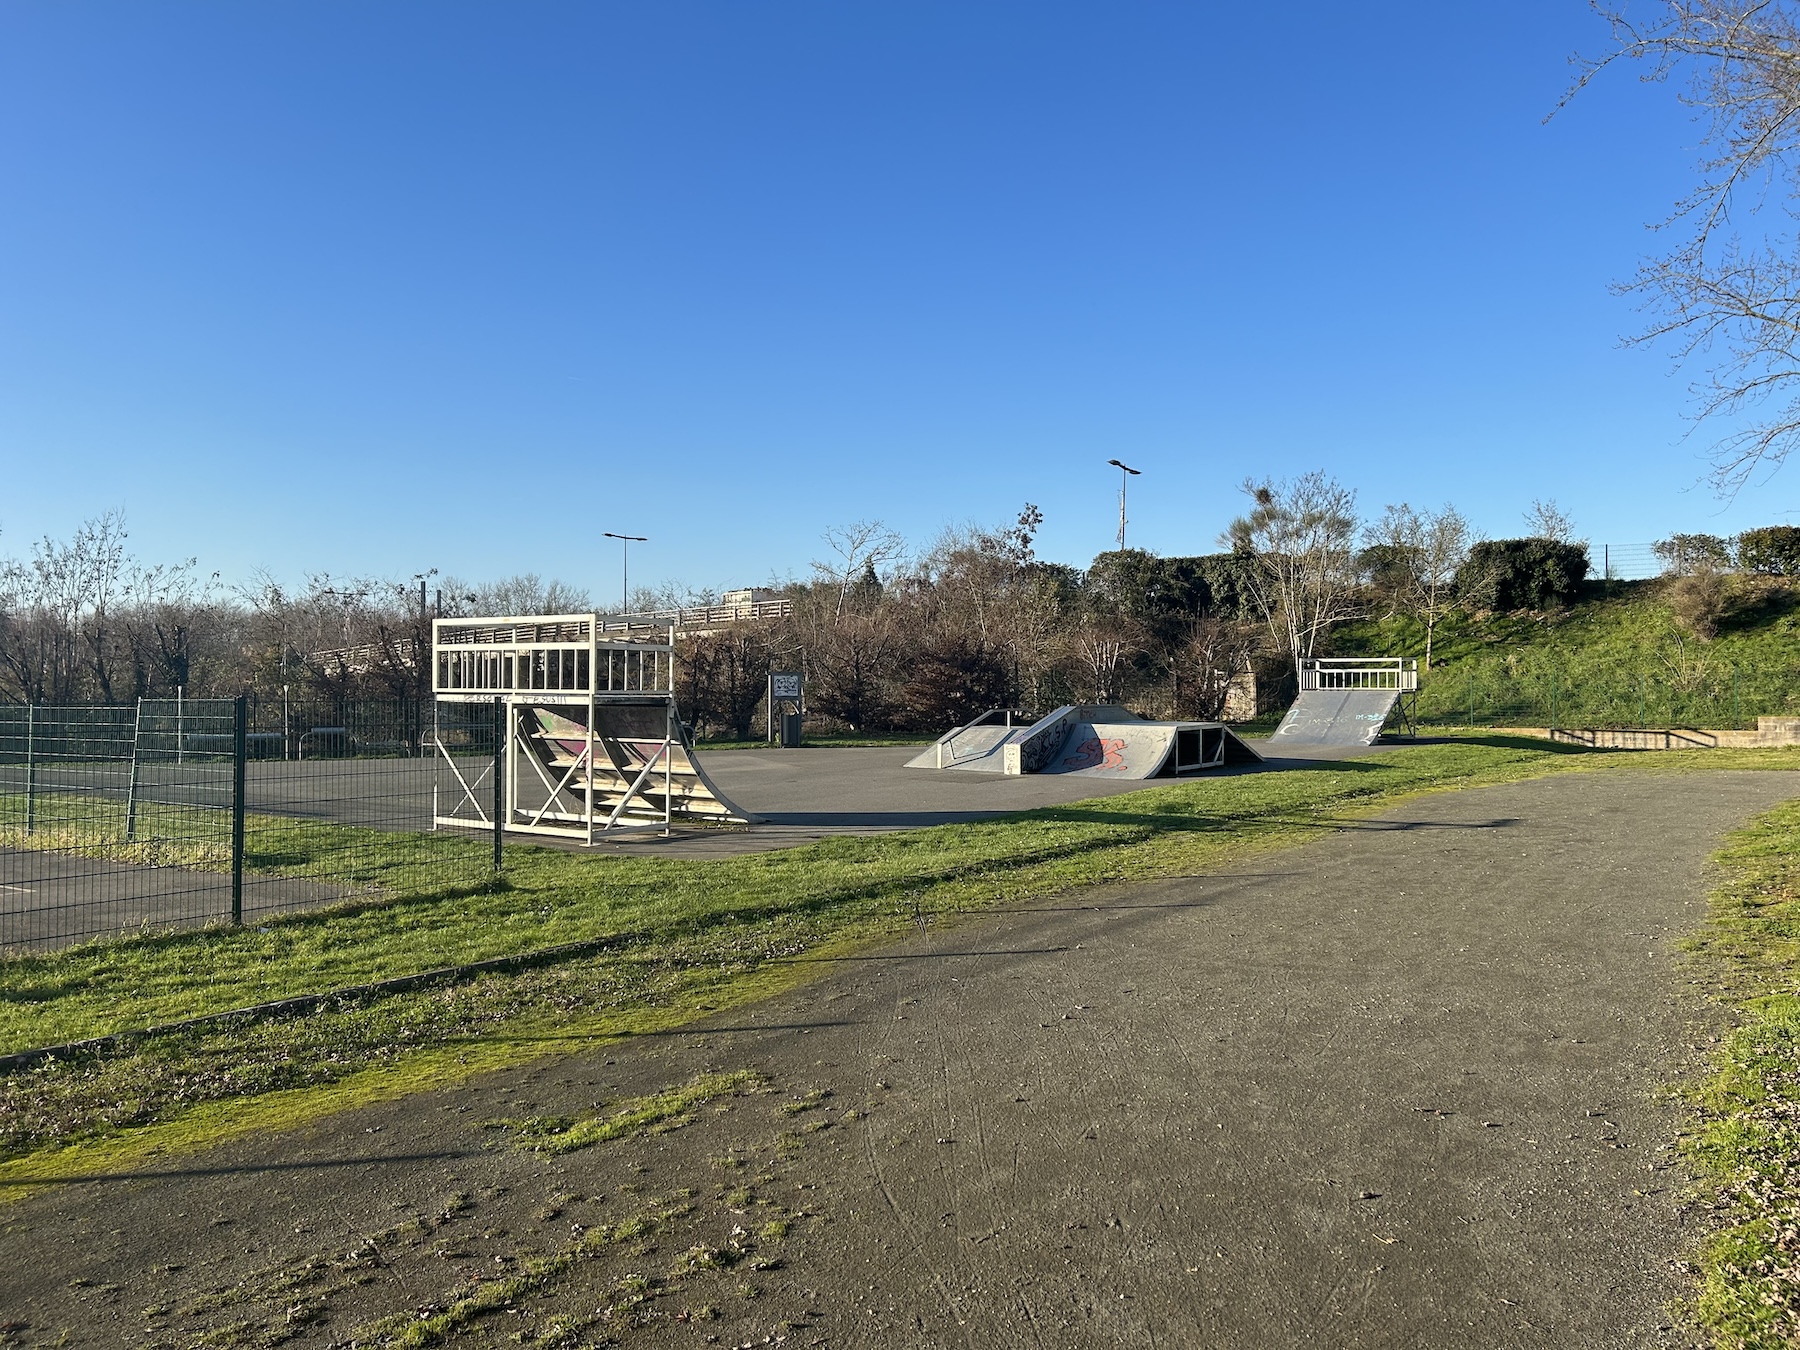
pixel 682 939
pixel 1748 1146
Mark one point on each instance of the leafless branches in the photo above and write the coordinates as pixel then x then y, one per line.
pixel 1426 549
pixel 1728 289
pixel 1303 537
pixel 862 549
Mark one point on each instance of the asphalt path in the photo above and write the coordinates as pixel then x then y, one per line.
pixel 1406 1085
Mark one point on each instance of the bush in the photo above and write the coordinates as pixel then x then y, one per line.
pixel 1685 554
pixel 1698 602
pixel 1773 550
pixel 955 678
pixel 1508 574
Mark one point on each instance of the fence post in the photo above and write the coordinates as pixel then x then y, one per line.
pixel 499 811
pixel 1643 713
pixel 1553 705
pixel 131 790
pixel 239 716
pixel 30 767
pixel 1736 715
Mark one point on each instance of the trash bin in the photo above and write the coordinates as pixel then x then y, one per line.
pixel 790 730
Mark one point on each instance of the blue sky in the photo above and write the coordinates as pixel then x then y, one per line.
pixel 374 288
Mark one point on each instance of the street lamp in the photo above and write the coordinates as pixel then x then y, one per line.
pixel 625 543
pixel 1126 472
pixel 422 578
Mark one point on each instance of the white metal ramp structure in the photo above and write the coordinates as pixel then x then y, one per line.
pixel 1094 740
pixel 589 715
pixel 1348 700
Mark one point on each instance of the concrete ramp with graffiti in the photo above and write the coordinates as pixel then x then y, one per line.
pixel 1094 740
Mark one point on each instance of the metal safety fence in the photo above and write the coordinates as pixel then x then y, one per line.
pixel 175 813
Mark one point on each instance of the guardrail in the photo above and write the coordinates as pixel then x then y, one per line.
pixel 702 616
pixel 1360 672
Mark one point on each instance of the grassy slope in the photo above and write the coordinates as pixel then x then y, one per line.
pixel 1593 654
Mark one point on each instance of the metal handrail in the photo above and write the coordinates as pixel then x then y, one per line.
pixel 1399 673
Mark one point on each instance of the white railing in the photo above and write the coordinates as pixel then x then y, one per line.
pixel 701 616
pixel 1360 672
pixel 559 654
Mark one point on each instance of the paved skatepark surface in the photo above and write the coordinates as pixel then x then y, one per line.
pixel 49 900
pixel 804 795
pixel 1402 1087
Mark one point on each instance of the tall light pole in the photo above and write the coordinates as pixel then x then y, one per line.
pixel 1126 473
pixel 625 543
pixel 422 578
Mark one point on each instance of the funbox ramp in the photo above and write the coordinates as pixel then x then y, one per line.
pixel 1098 741
pixel 1336 717
pixel 627 740
pixel 980 746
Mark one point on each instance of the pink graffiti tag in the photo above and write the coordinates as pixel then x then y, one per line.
pixel 1096 753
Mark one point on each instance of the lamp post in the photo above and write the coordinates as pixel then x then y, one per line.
pixel 1126 473
pixel 422 578
pixel 625 543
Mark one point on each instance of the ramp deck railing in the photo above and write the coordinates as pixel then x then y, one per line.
pixel 1399 673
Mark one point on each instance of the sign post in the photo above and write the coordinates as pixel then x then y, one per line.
pixel 787 688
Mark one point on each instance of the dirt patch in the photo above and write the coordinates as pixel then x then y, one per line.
pixel 1404 1086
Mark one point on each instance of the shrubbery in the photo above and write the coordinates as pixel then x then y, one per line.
pixel 1773 550
pixel 1509 574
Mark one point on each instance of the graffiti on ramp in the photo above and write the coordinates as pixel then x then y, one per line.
pixel 1097 752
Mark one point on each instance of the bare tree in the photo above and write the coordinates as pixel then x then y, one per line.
pixel 1547 520
pixel 57 642
pixel 862 549
pixel 1103 644
pixel 1213 652
pixel 1728 286
pixel 1302 535
pixel 1425 550
pixel 526 593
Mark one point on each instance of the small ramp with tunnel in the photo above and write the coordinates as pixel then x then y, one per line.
pixel 1094 740
pixel 1348 701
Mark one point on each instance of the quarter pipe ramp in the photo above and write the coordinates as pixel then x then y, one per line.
pixel 1336 717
